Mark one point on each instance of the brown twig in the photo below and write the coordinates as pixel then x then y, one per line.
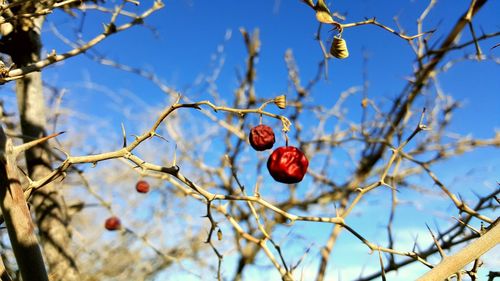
pixel 373 21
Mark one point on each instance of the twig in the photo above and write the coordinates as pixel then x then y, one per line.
pixel 109 30
pixel 375 22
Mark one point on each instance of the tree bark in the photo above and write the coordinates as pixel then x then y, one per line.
pixel 476 249
pixel 23 45
pixel 18 218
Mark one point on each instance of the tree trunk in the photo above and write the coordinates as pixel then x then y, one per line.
pixel 24 48
pixel 18 218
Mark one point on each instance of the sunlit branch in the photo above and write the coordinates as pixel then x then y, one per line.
pixel 54 58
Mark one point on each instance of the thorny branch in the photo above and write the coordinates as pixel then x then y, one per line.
pixel 53 57
pixel 206 196
pixel 252 224
pixel 376 149
pixel 199 192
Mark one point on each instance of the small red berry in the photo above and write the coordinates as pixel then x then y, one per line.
pixel 287 164
pixel 142 186
pixel 261 137
pixel 113 223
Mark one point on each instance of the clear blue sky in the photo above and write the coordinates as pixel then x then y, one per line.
pixel 186 34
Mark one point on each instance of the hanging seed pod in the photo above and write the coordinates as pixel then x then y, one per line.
pixel 339 48
pixel 280 101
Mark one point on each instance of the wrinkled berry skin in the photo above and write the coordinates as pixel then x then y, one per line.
pixel 113 223
pixel 142 186
pixel 261 137
pixel 287 164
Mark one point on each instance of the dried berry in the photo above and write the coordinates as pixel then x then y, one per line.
pixel 113 223
pixel 287 164
pixel 261 137
pixel 142 186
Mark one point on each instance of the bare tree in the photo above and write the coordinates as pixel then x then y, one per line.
pixel 244 212
pixel 21 39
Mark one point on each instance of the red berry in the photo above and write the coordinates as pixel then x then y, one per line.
pixel 287 164
pixel 142 186
pixel 113 223
pixel 261 137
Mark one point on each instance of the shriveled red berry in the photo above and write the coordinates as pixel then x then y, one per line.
pixel 287 164
pixel 112 223
pixel 261 137
pixel 142 186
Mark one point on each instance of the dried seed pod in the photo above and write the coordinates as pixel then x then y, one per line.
pixel 324 17
pixel 280 101
pixel 339 48
pixel 219 234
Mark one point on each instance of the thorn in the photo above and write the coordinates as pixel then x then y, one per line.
pixel 174 161
pixel 137 3
pixel 470 227
pixel 124 136
pixel 179 96
pixel 64 152
pixel 109 28
pixel 63 176
pixel 441 252
pixel 382 269
pixel 23 147
pixel 476 194
pixel 415 245
pixel 159 136
pixel 26 175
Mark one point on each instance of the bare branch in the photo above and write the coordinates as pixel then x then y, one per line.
pixel 454 263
